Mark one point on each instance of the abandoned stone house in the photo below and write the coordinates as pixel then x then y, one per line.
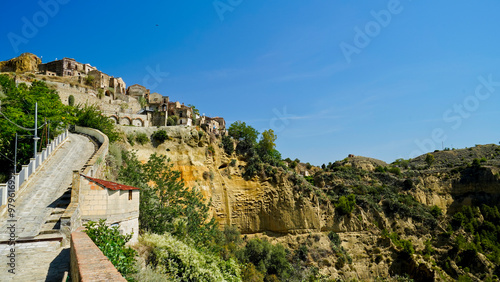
pixel 68 67
pixel 65 67
pixel 184 113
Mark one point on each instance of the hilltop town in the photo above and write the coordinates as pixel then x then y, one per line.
pixel 130 106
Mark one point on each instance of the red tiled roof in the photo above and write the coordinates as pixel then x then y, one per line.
pixel 110 185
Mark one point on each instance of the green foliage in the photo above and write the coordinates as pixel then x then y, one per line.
pixel 71 100
pixel 171 121
pixel 436 211
pixel 394 170
pixel 89 80
pixel 483 224
pixel 429 159
pixel 159 136
pixel 182 262
pixel 240 131
pixel 334 238
pixel 167 205
pixel 267 142
pixel 268 258
pixel 131 139
pixel 142 101
pixel 90 116
pixel 142 138
pixel 345 205
pixel 112 244
pixel 405 245
pixel 228 145
pixel 18 105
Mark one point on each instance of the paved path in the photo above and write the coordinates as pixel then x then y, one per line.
pixel 33 208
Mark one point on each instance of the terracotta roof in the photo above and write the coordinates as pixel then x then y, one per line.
pixel 110 185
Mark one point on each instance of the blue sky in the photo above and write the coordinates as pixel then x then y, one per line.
pixel 415 75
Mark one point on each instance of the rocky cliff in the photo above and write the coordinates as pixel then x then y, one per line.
pixel 396 199
pixel 26 62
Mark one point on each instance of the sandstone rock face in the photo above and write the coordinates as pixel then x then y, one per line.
pixel 26 62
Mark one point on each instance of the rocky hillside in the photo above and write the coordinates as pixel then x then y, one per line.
pixel 393 220
pixel 26 62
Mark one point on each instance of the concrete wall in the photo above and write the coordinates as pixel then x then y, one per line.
pixel 88 263
pixel 96 165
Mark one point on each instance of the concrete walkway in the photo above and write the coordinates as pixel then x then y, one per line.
pixel 34 205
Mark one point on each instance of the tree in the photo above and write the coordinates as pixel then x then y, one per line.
pixel 195 111
pixel 228 145
pixel 267 141
pixel 241 131
pixel 71 100
pixel 429 159
pixel 18 107
pixel 167 205
pixel 90 116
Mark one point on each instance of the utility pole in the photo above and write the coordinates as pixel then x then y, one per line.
pixel 36 125
pixel 15 156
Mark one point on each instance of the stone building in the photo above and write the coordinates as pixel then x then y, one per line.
pixel 216 125
pixel 101 199
pixel 137 91
pixel 184 113
pixel 66 67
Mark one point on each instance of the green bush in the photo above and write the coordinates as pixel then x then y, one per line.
pixel 269 259
pixel 71 100
pixel 112 244
pixel 185 263
pixel 91 116
pixel 334 238
pixel 142 138
pixel 227 143
pixel 131 139
pixel 436 211
pixel 160 136
pixel 345 205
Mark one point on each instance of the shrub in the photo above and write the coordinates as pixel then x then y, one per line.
pixel 112 244
pixel 131 139
pixel 395 170
pixel 160 136
pixel 436 211
pixel 90 116
pixel 334 238
pixel 429 159
pixel 233 163
pixel 141 138
pixel 71 100
pixel 269 259
pixel 345 205
pixel 185 263
pixel 227 143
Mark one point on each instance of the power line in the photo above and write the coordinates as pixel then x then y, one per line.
pixel 24 128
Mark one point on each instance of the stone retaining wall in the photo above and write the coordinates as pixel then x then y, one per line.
pixel 88 263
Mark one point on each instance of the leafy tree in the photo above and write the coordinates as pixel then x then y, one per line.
pixel 267 142
pixel 268 258
pixel 241 131
pixel 90 116
pixel 90 80
pixel 195 111
pixel 18 106
pixel 228 144
pixel 167 205
pixel 429 159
